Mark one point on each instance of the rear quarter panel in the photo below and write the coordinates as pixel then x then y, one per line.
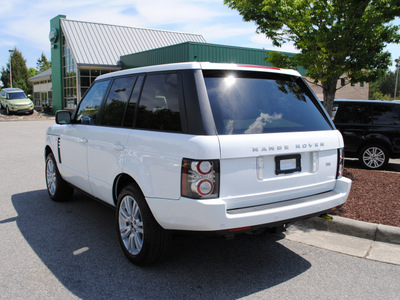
pixel 154 159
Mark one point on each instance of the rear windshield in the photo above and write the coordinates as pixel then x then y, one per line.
pixel 254 102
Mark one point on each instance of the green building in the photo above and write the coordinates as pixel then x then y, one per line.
pixel 81 51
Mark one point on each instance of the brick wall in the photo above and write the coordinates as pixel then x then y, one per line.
pixel 344 92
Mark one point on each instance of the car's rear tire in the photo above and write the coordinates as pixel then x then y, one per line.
pixel 374 157
pixel 142 239
pixel 59 190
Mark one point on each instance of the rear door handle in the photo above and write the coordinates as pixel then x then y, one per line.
pixel 118 147
pixel 82 140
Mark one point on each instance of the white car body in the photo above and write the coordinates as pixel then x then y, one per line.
pixel 265 179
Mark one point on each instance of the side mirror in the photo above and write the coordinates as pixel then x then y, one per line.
pixel 63 117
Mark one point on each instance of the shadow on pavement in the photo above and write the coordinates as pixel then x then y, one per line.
pixel 77 241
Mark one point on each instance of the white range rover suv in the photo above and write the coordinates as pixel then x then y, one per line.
pixel 204 147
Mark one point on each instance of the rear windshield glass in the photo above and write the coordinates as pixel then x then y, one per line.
pixel 254 102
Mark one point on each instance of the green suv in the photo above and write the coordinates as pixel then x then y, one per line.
pixel 14 100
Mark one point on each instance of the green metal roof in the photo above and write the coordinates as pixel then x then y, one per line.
pixel 192 51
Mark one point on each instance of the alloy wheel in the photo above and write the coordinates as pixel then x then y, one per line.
pixel 131 225
pixel 51 177
pixel 374 157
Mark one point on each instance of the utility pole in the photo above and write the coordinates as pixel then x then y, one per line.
pixel 397 77
pixel 11 52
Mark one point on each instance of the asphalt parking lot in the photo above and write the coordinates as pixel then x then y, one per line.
pixel 70 250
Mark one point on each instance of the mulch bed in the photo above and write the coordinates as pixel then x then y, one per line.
pixel 23 117
pixel 374 197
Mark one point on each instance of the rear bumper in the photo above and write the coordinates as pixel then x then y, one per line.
pixel 212 215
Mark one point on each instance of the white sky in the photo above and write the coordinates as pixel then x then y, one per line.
pixel 25 24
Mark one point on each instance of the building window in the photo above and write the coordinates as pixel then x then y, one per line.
pixel 87 77
pixel 36 99
pixel 69 77
pixel 44 99
pixel 343 81
pixel 362 84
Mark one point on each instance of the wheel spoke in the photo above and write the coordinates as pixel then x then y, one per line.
pixel 131 245
pixel 139 227
pixel 138 241
pixel 136 211
pixel 123 214
pixel 125 232
pixel 128 204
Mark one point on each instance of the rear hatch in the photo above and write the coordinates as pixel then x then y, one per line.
pixel 276 141
pixel 268 168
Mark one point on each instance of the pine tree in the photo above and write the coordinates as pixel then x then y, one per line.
pixel 43 64
pixel 19 71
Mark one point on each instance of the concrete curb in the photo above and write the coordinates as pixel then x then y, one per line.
pixel 371 231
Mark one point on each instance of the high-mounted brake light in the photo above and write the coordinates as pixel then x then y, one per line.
pixel 259 67
pixel 200 178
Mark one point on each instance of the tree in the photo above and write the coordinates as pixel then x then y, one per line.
pixel 335 37
pixel 43 64
pixel 32 72
pixel 383 87
pixel 5 77
pixel 19 73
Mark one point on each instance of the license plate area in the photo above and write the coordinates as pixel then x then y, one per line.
pixel 286 164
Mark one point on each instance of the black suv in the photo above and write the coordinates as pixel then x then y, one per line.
pixel 371 130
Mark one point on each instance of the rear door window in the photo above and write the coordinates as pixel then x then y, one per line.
pixel 131 108
pixel 159 103
pixel 353 113
pixel 386 114
pixel 251 103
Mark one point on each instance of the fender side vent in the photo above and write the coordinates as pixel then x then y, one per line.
pixel 59 150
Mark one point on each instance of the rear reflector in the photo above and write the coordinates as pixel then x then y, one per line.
pixel 239 229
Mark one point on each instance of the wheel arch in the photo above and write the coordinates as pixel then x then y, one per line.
pixel 379 141
pixel 47 151
pixel 120 182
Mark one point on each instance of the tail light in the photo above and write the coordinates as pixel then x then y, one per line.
pixel 200 178
pixel 340 165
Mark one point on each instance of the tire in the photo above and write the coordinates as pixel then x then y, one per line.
pixel 8 111
pixel 142 239
pixel 59 190
pixel 374 157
